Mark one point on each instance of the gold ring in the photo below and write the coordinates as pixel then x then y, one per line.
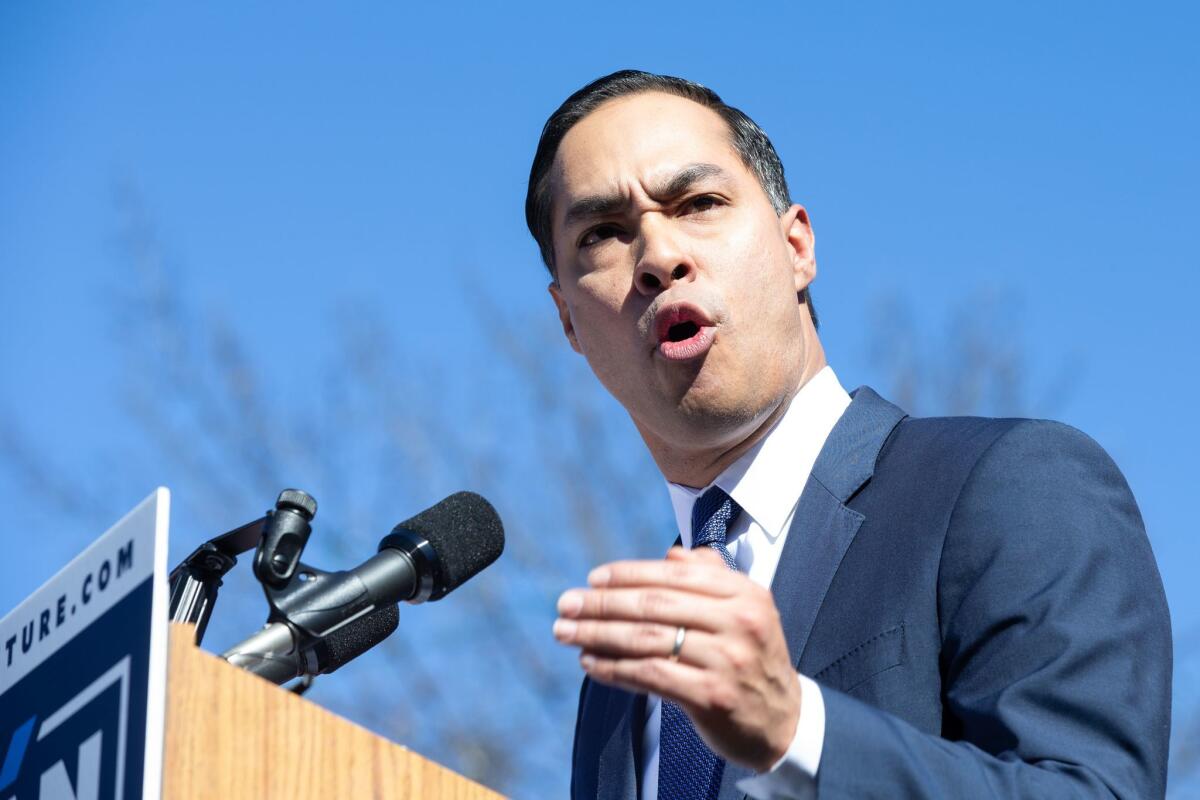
pixel 679 636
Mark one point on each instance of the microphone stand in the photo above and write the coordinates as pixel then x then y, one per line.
pixel 280 536
pixel 317 619
pixel 194 583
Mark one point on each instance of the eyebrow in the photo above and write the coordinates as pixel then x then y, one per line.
pixel 601 205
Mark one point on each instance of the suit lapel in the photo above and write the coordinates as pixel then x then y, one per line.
pixel 821 532
pixel 617 767
pixel 824 527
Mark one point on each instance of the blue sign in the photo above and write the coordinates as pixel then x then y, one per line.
pixel 83 671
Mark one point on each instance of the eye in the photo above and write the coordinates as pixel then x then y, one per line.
pixel 702 203
pixel 598 234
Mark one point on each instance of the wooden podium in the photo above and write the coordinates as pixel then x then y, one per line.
pixel 231 735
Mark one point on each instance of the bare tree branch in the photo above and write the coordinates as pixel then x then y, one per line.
pixel 484 687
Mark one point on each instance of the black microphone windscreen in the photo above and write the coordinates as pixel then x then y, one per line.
pixel 466 533
pixel 353 639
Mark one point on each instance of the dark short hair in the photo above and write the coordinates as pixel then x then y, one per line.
pixel 751 144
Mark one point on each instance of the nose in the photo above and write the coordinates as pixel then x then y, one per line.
pixel 663 262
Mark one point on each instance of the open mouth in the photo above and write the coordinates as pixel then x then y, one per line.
pixel 684 332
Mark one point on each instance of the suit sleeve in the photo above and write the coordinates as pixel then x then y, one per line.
pixel 1056 643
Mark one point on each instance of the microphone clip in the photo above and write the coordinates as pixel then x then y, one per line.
pixel 285 533
pixel 312 602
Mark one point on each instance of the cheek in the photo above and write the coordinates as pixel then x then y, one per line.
pixel 752 239
pixel 764 312
pixel 760 275
pixel 610 350
pixel 597 314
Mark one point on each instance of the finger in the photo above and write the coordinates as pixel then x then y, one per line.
pixel 678 553
pixel 637 640
pixel 687 571
pixel 663 606
pixel 674 680
pixel 708 555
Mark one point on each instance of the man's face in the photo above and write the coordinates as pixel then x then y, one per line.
pixel 676 279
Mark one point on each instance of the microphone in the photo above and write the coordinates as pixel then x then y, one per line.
pixel 273 653
pixel 321 620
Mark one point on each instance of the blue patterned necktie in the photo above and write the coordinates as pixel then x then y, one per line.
pixel 687 769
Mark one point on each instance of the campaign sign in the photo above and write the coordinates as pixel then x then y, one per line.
pixel 83 671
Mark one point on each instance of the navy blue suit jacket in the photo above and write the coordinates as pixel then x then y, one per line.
pixel 977 599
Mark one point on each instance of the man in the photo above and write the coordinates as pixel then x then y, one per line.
pixel 865 604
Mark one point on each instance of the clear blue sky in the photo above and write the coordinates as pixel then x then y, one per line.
pixel 294 157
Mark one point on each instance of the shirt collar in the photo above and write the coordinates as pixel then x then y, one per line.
pixel 767 480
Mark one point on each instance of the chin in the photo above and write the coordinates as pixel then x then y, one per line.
pixel 714 411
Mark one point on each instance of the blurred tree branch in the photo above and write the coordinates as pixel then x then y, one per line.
pixel 482 686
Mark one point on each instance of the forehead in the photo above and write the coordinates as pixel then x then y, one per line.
pixel 635 140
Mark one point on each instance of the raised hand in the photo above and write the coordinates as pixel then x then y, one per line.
pixel 732 673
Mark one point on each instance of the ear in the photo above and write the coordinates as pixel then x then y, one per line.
pixel 801 243
pixel 564 316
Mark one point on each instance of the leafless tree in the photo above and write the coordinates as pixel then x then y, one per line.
pixel 475 681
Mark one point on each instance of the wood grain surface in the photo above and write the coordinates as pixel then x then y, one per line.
pixel 231 735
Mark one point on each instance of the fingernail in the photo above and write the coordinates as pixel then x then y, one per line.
pixel 564 629
pixel 599 576
pixel 587 662
pixel 571 603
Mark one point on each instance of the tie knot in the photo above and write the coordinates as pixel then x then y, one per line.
pixel 711 516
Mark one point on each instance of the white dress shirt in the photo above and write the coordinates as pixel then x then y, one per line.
pixel 766 482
